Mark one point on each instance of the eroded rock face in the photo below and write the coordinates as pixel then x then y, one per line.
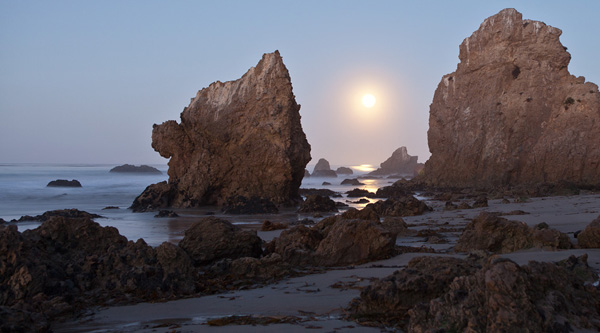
pixel 489 232
pixel 238 138
pixel 399 163
pixel 590 236
pixel 511 113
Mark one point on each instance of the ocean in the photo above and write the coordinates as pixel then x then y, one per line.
pixel 23 191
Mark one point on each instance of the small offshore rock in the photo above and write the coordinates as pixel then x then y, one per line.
pixel 322 169
pixel 64 183
pixel 317 203
pixel 253 205
pixel 353 181
pixel 270 226
pixel 344 171
pixel 128 168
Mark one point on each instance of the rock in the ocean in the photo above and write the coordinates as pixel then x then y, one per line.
pixel 128 168
pixel 590 236
pixel 69 213
pixel 317 203
pixel 496 234
pixel 399 163
pixel 166 213
pixel 64 183
pixel 511 113
pixel 344 171
pixel 404 206
pixel 353 181
pixel 212 239
pixel 253 205
pixel 322 169
pixel 238 138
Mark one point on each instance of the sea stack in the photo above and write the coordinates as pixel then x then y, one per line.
pixel 238 138
pixel 399 163
pixel 511 113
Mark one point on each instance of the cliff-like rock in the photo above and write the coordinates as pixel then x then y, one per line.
pixel 238 138
pixel 512 113
pixel 399 163
pixel 323 169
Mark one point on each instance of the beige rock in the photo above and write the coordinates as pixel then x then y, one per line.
pixel 511 113
pixel 590 236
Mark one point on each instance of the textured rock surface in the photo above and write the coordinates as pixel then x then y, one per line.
pixel 322 169
pixel 496 234
pixel 238 138
pixel 317 203
pixel 590 236
pixel 512 113
pixel 405 206
pixel 212 239
pixel 399 163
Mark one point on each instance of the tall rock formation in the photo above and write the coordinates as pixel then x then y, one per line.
pixel 323 169
pixel 512 113
pixel 238 138
pixel 399 163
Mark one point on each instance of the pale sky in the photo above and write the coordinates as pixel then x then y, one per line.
pixel 83 81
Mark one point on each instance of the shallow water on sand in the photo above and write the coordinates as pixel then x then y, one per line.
pixel 23 191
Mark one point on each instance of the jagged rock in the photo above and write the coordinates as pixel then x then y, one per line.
pixel 238 138
pixel 252 205
pixel 166 213
pixel 344 171
pixel 322 169
pixel 64 183
pixel 506 297
pixel 396 225
pixel 212 239
pixel 367 214
pixel 392 191
pixel 388 300
pixel 317 203
pixel 69 213
pixel 353 181
pixel 250 270
pixel 405 206
pixel 296 245
pixel 128 168
pixel 399 163
pixel 496 234
pixel 358 192
pixel 270 226
pixel 590 236
pixel 511 113
pixel 155 196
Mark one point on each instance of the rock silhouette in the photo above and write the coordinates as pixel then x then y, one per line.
pixel 399 163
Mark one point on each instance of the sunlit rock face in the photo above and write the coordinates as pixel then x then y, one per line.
pixel 512 113
pixel 238 138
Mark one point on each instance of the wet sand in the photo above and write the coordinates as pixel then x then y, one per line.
pixel 317 300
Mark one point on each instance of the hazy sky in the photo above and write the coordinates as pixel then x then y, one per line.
pixel 83 81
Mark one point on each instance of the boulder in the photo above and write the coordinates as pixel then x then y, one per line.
pixel 64 183
pixel 353 181
pixel 317 203
pixel 396 225
pixel 68 213
pixel 238 138
pixel 155 196
pixel 405 206
pixel 212 239
pixel 322 169
pixel 296 245
pixel 511 113
pixel 490 232
pixel 253 205
pixel 590 236
pixel 344 171
pixel 399 163
pixel 358 192
pixel 166 213
pixel 128 168
pixel 270 226
pixel 367 214
pixel 506 297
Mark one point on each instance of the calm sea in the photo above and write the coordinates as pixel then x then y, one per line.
pixel 23 191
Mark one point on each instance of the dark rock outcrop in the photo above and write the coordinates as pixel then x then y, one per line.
pixel 511 113
pixel 344 171
pixel 166 213
pixel 405 206
pixel 317 203
pixel 64 183
pixel 270 226
pixel 252 205
pixel 155 196
pixel 128 168
pixel 353 181
pixel 399 163
pixel 322 169
pixel 68 213
pixel 590 236
pixel 358 192
pixel 238 138
pixel 492 233
pixel 212 239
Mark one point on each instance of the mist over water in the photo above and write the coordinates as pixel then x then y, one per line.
pixel 23 191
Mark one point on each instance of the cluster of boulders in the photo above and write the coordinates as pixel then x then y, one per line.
pixel 481 294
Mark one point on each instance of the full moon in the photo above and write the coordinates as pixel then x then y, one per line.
pixel 368 100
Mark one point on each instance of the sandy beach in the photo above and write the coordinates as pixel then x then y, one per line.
pixel 316 302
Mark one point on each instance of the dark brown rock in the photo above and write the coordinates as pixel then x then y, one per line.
pixel 296 245
pixel 64 183
pixel 357 193
pixel 317 203
pixel 496 234
pixel 212 239
pixel 318 191
pixel 590 236
pixel 253 205
pixel 396 225
pixel 399 163
pixel 367 213
pixel 155 196
pixel 238 138
pixel 511 113
pixel 270 226
pixel 405 206
pixel 128 168
pixel 166 213
pixel 69 213
pixel 354 182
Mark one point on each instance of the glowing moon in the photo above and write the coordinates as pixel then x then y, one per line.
pixel 368 100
